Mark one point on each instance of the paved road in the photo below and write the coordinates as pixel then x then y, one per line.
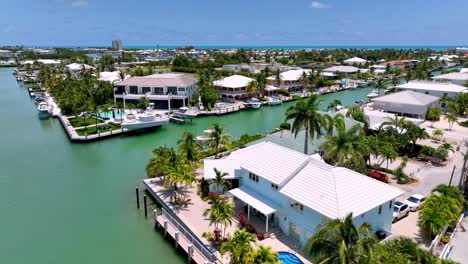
pixel 460 244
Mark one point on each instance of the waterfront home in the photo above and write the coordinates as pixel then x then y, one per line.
pixel 355 61
pixel 460 78
pixel 46 62
pixel 257 67
pixel 233 87
pixel 406 103
pixel 439 89
pixel 401 64
pixel 295 193
pixel 290 80
pixel 111 77
pixel 166 91
pixel 6 54
pixel 464 70
pixel 75 69
pixel 347 70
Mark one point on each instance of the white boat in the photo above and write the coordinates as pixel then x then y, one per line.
pixel 44 109
pixel 253 103
pixel 206 136
pixel 147 119
pixel 275 101
pixel 185 113
pixel 374 94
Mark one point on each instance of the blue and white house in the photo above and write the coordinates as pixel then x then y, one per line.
pixel 296 192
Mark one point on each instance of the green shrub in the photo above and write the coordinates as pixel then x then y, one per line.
pixel 433 114
pixel 285 126
pixel 283 92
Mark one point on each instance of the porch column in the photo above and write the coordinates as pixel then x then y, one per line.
pixel 266 228
pixel 248 212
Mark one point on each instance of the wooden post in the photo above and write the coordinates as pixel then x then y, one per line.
pixel 176 238
pixel 155 214
pixel 451 176
pixel 190 253
pixel 146 207
pixel 165 227
pixel 137 197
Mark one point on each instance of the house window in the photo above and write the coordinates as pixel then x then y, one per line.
pixel 172 90
pixel 274 186
pixel 426 92
pixel 390 204
pixel 145 90
pixel 298 206
pixel 181 89
pixel 380 209
pixel 445 94
pixel 253 177
pixel 133 89
pixel 158 90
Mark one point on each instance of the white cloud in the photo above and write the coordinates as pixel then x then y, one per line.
pixel 319 5
pixel 79 3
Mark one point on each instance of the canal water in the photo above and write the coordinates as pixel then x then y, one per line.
pixel 74 203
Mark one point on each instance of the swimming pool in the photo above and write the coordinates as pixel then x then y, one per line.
pixel 288 258
pixel 222 105
pixel 108 115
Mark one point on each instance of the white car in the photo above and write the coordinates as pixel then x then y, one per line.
pixel 400 210
pixel 415 201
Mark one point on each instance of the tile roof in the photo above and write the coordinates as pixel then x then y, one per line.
pixel 160 80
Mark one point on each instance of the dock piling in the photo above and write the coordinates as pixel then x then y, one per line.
pixel 165 227
pixel 155 214
pixel 176 238
pixel 145 205
pixel 137 197
pixel 190 253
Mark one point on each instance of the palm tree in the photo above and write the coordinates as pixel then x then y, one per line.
pixel 356 113
pixel 395 122
pixel 219 181
pixel 180 172
pixel 238 247
pixel 189 145
pixel 278 78
pixel 333 105
pixel 347 148
pixel 305 115
pixel 437 134
pixel 437 212
pixel 333 121
pixel 403 250
pixel 414 133
pixel 451 118
pixel 340 241
pixel 220 212
pixel 262 255
pixel 161 162
pixel 219 136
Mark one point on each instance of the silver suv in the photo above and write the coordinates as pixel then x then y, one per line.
pixel 400 210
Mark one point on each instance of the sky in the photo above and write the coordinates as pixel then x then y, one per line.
pixel 235 22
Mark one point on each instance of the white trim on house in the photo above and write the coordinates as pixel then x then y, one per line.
pixel 254 199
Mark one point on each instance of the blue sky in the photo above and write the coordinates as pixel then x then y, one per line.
pixel 235 22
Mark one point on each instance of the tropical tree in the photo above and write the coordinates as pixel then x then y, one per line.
pixel 437 212
pixel 218 137
pixel 356 113
pixel 219 182
pixel 332 121
pixel 433 114
pixel 190 147
pixel 347 148
pixel 403 250
pixel 452 119
pixel 334 105
pixel 161 162
pixel 340 241
pixel 238 246
pixel 437 134
pixel 413 133
pixel 262 255
pixel 394 121
pixel 278 77
pixel 305 115
pixel 181 172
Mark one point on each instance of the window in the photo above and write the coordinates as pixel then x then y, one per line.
pixel 445 94
pixel 253 177
pixel 297 206
pixel 274 186
pixel 380 209
pixel 181 89
pixel 133 89
pixel 172 90
pixel 426 92
pixel 158 90
pixel 145 90
pixel 390 204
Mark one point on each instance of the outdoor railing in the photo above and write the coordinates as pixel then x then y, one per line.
pixel 195 241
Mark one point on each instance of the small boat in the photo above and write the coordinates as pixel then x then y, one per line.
pixel 44 109
pixel 39 99
pixel 275 101
pixel 176 119
pixel 206 136
pixel 374 94
pixel 253 103
pixel 185 113
pixel 145 120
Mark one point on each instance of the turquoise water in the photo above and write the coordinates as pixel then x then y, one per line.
pixel 109 115
pixel 288 258
pixel 74 203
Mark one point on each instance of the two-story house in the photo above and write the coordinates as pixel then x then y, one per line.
pixel 166 91
pixel 291 80
pixel 296 192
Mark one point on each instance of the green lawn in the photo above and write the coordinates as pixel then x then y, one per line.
pixel 93 130
pixel 79 121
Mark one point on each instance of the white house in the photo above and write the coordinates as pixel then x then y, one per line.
pixel 407 103
pixel 460 78
pixel 355 61
pixel 290 80
pixel 111 77
pixel 166 91
pixel 439 89
pixel 76 68
pixel 233 87
pixel 296 192
pixel 348 70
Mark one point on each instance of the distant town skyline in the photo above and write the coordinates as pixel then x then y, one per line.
pixel 243 23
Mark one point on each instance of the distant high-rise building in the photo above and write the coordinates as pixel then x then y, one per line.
pixel 117 44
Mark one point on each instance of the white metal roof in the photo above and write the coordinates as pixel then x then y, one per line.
pixel 336 192
pixel 78 66
pixel 464 70
pixel 291 75
pixel 234 81
pixel 408 98
pixel 254 199
pixel 229 165
pixel 341 68
pixel 355 60
pixel 272 162
pixel 432 86
pixel 452 76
